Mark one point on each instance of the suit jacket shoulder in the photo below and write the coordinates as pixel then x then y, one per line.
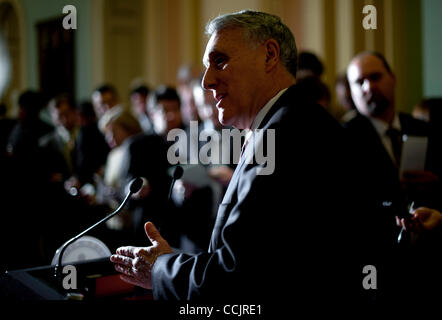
pixel 413 126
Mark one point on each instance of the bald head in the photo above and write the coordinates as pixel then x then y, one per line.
pixel 372 85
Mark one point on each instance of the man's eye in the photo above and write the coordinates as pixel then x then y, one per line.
pixel 375 77
pixel 219 62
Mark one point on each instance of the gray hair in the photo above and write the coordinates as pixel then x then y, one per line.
pixel 259 27
pixel 123 118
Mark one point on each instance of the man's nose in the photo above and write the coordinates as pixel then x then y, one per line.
pixel 367 86
pixel 209 79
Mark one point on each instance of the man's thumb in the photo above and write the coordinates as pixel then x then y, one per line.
pixel 152 232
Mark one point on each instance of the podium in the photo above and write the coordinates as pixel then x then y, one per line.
pixel 95 280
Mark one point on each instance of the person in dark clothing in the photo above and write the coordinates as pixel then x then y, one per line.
pixel 21 187
pixel 376 134
pixel 91 149
pixel 283 229
pixel 23 139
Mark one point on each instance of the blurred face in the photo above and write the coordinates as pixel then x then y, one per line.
pixel 65 116
pixel 188 108
pixel 138 103
pixel 235 74
pixel 115 135
pixel 166 116
pixel 102 102
pixel 372 86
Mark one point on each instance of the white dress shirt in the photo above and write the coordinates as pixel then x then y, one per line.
pixel 381 128
pixel 258 119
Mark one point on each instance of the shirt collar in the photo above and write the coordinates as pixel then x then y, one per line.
pixel 262 113
pixel 381 126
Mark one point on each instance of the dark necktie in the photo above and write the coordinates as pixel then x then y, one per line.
pixel 396 142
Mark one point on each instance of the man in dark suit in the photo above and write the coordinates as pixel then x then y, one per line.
pixel 377 131
pixel 376 136
pixel 281 224
pixel 58 147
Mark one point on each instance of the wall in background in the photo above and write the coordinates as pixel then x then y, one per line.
pixel 432 47
pixel 171 32
pixel 37 11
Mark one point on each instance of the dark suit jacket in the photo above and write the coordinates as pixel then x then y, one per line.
pixel 278 232
pixel 374 159
pixel 91 150
pixel 406 270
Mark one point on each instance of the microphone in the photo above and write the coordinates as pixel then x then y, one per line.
pixel 135 186
pixel 177 174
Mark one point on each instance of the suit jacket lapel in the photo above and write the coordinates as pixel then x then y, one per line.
pixel 229 200
pixel 288 94
pixel 230 197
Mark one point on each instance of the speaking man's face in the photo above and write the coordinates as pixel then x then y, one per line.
pixel 235 74
pixel 372 85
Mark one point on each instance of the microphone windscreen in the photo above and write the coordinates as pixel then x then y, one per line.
pixel 135 185
pixel 178 173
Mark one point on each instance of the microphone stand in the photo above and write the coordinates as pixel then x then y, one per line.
pixel 135 186
pixel 57 268
pixel 177 174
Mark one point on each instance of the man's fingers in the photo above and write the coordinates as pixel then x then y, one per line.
pixel 119 259
pixel 128 251
pixel 135 263
pixel 139 272
pixel 152 233
pixel 422 213
pixel 123 269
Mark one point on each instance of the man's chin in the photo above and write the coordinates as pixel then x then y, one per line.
pixel 224 119
pixel 227 122
pixel 230 120
pixel 377 108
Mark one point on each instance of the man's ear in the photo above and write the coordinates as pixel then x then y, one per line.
pixel 272 54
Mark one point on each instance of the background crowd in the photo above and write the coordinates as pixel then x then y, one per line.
pixel 65 164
